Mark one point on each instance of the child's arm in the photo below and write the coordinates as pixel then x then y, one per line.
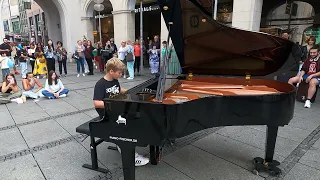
pixel 123 90
pixel 98 96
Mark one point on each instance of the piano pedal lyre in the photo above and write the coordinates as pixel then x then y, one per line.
pixel 260 165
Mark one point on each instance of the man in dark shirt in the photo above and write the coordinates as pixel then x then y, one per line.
pixel 310 73
pixel 107 86
pixel 5 47
pixel 23 56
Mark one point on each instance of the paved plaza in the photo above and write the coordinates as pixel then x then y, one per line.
pixel 38 141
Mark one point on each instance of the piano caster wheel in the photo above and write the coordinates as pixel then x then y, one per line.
pixel 271 167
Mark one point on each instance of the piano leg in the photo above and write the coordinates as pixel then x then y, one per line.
pixel 94 157
pixel 154 154
pixel 128 162
pixel 268 164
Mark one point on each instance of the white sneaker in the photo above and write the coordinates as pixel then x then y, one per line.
pixel 130 78
pixel 78 75
pixel 83 74
pixel 63 95
pixel 140 160
pixel 307 104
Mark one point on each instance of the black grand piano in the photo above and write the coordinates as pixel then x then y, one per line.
pixel 226 81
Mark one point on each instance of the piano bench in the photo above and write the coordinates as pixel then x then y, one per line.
pixel 302 93
pixel 84 128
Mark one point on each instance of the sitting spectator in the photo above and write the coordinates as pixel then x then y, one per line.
pixel 9 89
pixel 29 84
pixel 310 74
pixel 54 87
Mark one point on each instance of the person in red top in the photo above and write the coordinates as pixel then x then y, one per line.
pixel 137 54
pixel 309 73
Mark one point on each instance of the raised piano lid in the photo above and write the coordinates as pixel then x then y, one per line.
pixel 205 46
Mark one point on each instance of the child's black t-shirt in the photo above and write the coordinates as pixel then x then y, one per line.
pixel 103 89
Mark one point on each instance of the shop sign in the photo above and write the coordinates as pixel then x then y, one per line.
pixel 146 9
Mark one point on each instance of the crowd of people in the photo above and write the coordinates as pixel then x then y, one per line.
pixel 42 58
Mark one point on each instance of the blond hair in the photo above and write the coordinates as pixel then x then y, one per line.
pixel 115 64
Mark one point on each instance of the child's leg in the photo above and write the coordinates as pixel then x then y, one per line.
pixel 30 94
pixel 15 95
pixel 4 98
pixel 48 94
pixel 64 91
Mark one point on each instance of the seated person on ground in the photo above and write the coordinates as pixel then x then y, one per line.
pixel 309 74
pixel 9 89
pixel 109 85
pixel 54 87
pixel 29 87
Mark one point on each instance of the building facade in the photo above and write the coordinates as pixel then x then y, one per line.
pixel 37 31
pixel 72 20
pixel 10 19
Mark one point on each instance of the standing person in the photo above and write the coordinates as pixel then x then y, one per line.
pixel 23 56
pixel 31 56
pixel 4 65
pixel 130 59
pixel 54 88
pixel 15 58
pixel 89 56
pixel 5 47
pixel 40 63
pixel 107 52
pixel 49 54
pixel 174 63
pixel 154 60
pixel 9 89
pixel 61 54
pixel 99 57
pixel 79 52
pixel 113 48
pixel 107 86
pixel 122 53
pixel 137 55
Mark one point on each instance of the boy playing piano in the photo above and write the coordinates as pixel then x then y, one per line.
pixel 109 85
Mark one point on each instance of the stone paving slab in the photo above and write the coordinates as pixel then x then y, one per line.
pixel 55 106
pixel 257 139
pixel 70 123
pixel 302 172
pixel 22 168
pixel 232 151
pixel 11 141
pixel 43 132
pixel 5 117
pixel 65 162
pixel 199 164
pixel 78 101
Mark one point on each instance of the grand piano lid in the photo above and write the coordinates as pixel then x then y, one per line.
pixel 205 46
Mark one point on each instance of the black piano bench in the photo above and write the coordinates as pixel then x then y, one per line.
pixel 85 129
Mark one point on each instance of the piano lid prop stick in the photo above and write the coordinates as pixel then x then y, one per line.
pixel 163 73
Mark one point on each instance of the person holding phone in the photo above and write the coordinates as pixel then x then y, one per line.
pixel 9 89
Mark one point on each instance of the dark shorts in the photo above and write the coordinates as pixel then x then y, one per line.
pixel 304 77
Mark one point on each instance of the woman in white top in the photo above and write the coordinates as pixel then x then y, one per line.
pixel 54 87
pixel 4 65
pixel 122 53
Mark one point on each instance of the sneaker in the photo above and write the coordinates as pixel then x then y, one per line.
pixel 63 95
pixel 307 104
pixel 83 74
pixel 78 75
pixel 140 160
pixel 130 78
pixel 124 76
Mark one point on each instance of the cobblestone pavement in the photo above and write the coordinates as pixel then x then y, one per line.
pixel 38 141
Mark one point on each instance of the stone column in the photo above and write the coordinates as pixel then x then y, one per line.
pixel 247 14
pixel 90 27
pixel 124 26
